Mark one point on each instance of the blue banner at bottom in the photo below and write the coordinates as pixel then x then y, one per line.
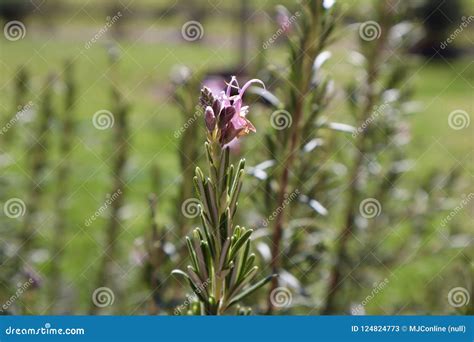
pixel 240 328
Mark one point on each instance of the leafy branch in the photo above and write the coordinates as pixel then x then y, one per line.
pixel 222 267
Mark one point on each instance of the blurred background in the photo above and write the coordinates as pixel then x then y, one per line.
pixel 144 61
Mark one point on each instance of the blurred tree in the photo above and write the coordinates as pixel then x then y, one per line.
pixel 438 17
pixel 15 9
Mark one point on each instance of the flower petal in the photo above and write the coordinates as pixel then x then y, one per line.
pixel 230 85
pixel 248 84
pixel 226 115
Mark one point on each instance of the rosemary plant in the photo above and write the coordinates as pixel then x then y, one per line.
pixel 294 171
pixel 378 104
pixel 222 265
pixel 39 160
pixel 66 140
pixel 155 258
pixel 21 91
pixel 105 276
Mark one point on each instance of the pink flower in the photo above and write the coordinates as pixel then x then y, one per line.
pixel 283 19
pixel 225 115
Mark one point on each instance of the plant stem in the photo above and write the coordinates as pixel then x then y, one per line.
pixel 301 75
pixel 279 220
pixel 62 182
pixel 38 164
pixel 155 254
pixel 351 209
pixel 22 81
pixel 38 160
pixel 105 276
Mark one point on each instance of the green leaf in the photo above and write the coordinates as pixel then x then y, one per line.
pixel 208 256
pixel 250 262
pixel 223 256
pixel 336 126
pixel 230 178
pixel 243 265
pixel 239 243
pixel 245 280
pixel 267 96
pixel 228 223
pixel 223 170
pixel 192 253
pixel 235 235
pixel 191 284
pixel 200 184
pixel 200 255
pixel 235 271
pixel 198 284
pixel 209 153
pixel 236 187
pixel 212 204
pixel 181 273
pixel 314 204
pixel 223 221
pixel 250 290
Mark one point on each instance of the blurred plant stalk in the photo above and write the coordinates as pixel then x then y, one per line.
pixel 107 276
pixel 66 139
pixel 38 158
pixel 21 91
pixel 371 96
pixel 156 257
pixel 307 45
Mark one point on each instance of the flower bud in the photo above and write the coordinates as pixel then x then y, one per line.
pixel 210 119
pixel 206 98
pixel 216 107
